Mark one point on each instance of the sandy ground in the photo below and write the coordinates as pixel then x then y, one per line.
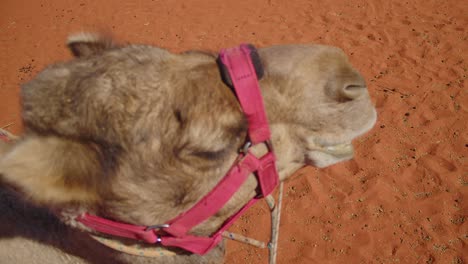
pixel 403 199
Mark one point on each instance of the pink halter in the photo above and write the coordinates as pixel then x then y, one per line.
pixel 174 233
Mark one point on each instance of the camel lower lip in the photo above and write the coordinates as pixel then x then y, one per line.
pixel 339 150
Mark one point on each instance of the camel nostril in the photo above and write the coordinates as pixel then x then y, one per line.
pixel 353 91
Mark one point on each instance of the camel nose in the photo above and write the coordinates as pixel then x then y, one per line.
pixel 353 90
pixel 351 84
pixel 346 84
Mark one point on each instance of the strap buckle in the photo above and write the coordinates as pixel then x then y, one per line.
pixel 245 149
pixel 160 226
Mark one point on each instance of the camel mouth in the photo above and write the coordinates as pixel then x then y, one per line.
pixel 339 150
pixel 325 155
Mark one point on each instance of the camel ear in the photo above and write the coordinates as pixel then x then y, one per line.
pixel 89 44
pixel 52 170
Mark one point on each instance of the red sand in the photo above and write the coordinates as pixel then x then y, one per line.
pixel 403 199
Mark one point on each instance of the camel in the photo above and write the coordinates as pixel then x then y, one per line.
pixel 137 134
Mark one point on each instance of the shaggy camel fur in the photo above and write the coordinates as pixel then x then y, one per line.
pixel 137 134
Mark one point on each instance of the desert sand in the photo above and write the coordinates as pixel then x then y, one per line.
pixel 402 199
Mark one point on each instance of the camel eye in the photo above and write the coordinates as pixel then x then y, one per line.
pixel 210 155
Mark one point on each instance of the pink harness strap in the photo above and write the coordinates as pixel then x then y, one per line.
pixel 244 80
pixel 215 199
pixel 238 62
pixel 118 229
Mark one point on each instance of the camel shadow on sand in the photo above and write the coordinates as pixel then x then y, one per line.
pixel 25 227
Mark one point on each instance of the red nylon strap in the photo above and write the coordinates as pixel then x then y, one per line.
pixel 179 226
pixel 118 229
pixel 242 72
pixel 244 80
pixel 194 244
pixel 202 245
pixel 215 199
pixel 267 174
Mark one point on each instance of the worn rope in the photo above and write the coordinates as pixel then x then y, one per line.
pixel 151 251
pixel 4 134
pixel 243 239
pixel 275 210
pixel 134 249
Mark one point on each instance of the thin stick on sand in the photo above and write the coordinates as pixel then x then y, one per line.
pixel 243 239
pixel 275 210
pixel 7 125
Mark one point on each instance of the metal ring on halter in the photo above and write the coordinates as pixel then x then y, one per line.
pixel 248 144
pixel 152 227
pixel 246 147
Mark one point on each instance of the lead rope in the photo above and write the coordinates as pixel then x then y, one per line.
pixel 152 251
pixel 134 249
pixel 275 223
pixel 275 212
pixel 4 134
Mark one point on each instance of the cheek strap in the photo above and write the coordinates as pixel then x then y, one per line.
pixel 255 60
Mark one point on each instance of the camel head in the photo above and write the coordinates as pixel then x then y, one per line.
pixel 137 134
